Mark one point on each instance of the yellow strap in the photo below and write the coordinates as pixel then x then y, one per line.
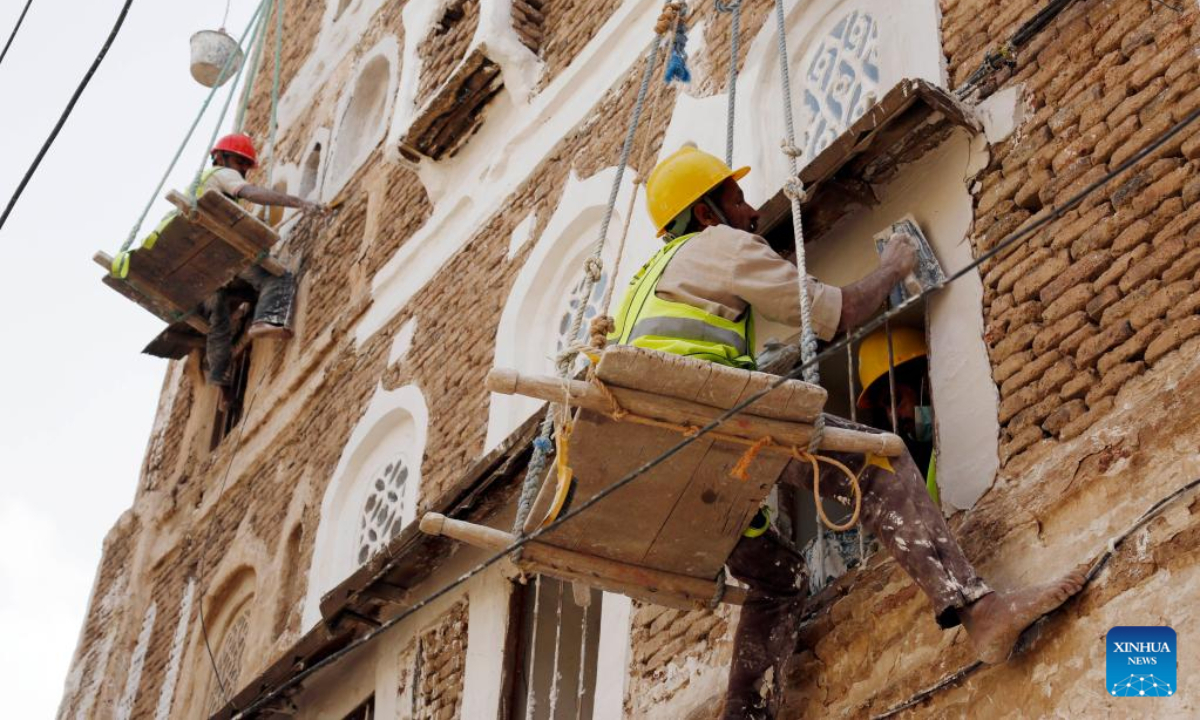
pixel 120 265
pixel 562 466
pixel 880 462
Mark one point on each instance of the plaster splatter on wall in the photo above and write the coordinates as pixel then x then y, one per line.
pixel 136 663
pixel 167 695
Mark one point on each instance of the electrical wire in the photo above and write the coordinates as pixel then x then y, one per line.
pixel 16 27
pixel 736 409
pixel 87 78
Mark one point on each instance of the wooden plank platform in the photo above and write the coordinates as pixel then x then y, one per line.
pixel 684 516
pixel 195 255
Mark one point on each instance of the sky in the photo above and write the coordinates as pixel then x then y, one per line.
pixel 77 399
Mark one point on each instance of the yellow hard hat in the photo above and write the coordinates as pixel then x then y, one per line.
pixel 907 344
pixel 682 178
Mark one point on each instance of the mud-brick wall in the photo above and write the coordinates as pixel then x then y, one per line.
pixel 443 666
pixel 568 26
pixel 442 50
pixel 1105 292
pixel 301 27
pixel 667 645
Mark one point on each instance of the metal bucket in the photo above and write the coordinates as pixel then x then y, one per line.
pixel 211 49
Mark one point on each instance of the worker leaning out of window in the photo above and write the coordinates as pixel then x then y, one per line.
pixel 233 156
pixel 698 297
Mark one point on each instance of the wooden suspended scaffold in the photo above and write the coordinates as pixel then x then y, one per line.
pixel 664 537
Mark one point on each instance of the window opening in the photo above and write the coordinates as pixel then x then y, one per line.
pixel 361 127
pixel 558 652
pixel 366 711
pixel 591 310
pixel 308 179
pixel 382 515
pixel 841 81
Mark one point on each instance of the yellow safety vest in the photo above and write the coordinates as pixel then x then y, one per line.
pixel 646 320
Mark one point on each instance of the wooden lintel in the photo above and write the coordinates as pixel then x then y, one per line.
pixel 228 235
pixel 683 412
pixel 360 618
pixel 387 593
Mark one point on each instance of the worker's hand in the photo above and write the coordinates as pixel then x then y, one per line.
pixel 899 255
pixel 314 209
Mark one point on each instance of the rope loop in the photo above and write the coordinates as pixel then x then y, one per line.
pixel 615 411
pixel 855 490
pixel 593 267
pixel 668 16
pixel 728 7
pixel 599 330
pixel 718 591
pixel 789 148
pixel 818 434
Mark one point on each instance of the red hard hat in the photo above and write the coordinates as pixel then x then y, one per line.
pixel 238 144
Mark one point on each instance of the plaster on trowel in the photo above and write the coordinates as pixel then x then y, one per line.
pixel 928 272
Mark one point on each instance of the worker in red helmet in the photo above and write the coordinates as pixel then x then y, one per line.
pixel 233 156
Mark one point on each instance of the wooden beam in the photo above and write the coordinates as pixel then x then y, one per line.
pixel 227 234
pixel 684 412
pixel 664 588
pixel 152 296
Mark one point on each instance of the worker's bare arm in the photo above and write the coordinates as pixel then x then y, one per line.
pixel 861 299
pixel 266 196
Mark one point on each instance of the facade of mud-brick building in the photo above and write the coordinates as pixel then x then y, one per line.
pixel 470 147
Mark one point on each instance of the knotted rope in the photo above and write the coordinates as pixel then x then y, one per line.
pixel 593 269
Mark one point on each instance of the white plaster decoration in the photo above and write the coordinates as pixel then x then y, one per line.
pixel 529 335
pixel 489 596
pixel 474 185
pixel 109 612
pixel 613 657
pixel 167 695
pixel 363 114
pixel 1002 112
pixel 843 55
pixel 392 428
pixel 521 235
pixel 520 67
pixel 137 661
pixel 402 343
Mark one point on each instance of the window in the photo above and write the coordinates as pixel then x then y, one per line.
pixel 382 515
pixel 373 494
pixel 841 80
pixel 560 641
pixel 233 402
pixel 229 660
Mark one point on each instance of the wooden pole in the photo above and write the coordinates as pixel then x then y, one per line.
pixel 684 412
pixel 658 586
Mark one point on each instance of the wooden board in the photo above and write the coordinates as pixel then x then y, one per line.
pixel 177 341
pixel 189 261
pixel 708 383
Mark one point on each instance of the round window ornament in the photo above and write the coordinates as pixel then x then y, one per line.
pixel 216 57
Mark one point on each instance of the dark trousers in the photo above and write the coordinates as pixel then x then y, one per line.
pixel 897 509
pixel 276 295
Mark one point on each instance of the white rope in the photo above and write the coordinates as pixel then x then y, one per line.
pixel 557 674
pixel 593 268
pixel 734 8
pixel 530 698
pixel 583 638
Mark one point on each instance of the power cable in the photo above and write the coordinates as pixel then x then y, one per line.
pixel 16 27
pixel 66 113
pixel 795 373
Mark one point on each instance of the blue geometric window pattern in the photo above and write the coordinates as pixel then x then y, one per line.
pixel 590 311
pixel 840 81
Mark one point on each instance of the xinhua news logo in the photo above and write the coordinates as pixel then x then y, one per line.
pixel 1140 662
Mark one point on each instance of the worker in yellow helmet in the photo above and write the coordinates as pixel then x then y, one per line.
pixel 698 296
pixel 914 411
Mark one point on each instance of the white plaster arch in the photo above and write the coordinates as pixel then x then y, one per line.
pixel 907 44
pixel 527 334
pixel 394 427
pixel 363 114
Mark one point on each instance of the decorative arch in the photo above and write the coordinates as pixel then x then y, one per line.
pixel 545 294
pixel 373 494
pixel 843 56
pixel 228 623
pixel 363 114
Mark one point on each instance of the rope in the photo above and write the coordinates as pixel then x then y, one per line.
pixel 735 40
pixel 866 328
pixel 555 676
pixel 137 226
pixel 13 35
pixel 677 68
pixel 225 107
pixel 530 699
pixel 274 122
pixel 66 113
pixel 239 122
pixel 593 267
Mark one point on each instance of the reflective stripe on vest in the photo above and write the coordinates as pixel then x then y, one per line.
pixel 647 320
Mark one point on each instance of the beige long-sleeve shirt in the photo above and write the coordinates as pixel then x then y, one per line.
pixel 723 271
